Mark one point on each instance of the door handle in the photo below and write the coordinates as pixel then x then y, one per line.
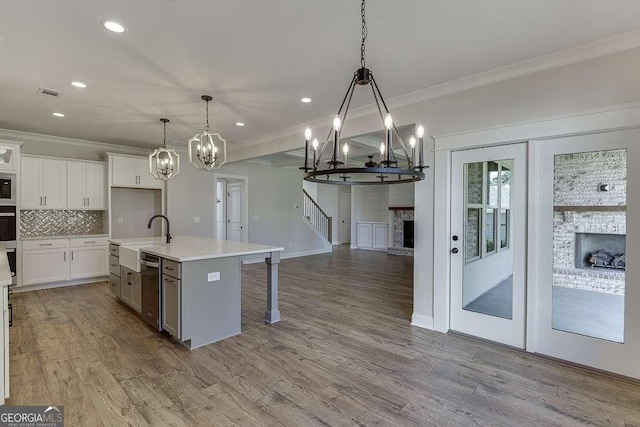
pixel 65 256
pixel 454 251
pixel 40 200
pixel 71 255
pixel 45 200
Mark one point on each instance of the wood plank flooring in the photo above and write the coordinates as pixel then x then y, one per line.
pixel 344 354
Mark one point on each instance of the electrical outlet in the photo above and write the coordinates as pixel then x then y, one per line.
pixel 196 219
pixel 255 218
pixel 213 277
pixel 120 220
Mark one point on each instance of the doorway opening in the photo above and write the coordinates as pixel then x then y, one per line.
pixel 231 212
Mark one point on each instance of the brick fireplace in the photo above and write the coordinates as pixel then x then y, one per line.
pixel 402 223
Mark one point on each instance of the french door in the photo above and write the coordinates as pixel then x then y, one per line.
pixel 585 242
pixel 488 233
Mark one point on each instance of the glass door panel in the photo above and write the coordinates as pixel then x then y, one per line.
pixel 483 277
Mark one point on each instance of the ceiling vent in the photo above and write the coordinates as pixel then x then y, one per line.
pixel 50 93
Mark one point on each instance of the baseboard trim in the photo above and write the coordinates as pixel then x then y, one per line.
pixel 422 321
pixel 42 286
pixel 293 254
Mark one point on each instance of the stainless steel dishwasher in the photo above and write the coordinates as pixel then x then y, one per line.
pixel 151 294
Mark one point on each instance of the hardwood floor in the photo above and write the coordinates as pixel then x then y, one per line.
pixel 344 354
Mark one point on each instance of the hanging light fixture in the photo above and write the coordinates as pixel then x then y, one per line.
pixel 387 170
pixel 205 147
pixel 164 163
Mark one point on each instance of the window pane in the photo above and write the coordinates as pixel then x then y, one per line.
pixel 474 183
pixel 489 228
pixel 505 185
pixel 493 183
pixel 472 234
pixel 504 228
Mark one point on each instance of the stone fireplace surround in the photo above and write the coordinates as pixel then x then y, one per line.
pixel 397 218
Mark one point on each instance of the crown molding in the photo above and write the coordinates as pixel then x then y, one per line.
pixel 23 137
pixel 583 52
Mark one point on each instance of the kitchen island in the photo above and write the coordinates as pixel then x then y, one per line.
pixel 198 283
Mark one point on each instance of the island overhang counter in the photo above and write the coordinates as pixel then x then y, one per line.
pixel 200 284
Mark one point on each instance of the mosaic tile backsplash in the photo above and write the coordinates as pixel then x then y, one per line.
pixel 46 223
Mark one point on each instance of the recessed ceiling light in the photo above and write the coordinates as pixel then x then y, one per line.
pixel 114 26
pixel 239 124
pixel 305 100
pixel 78 85
pixel 57 114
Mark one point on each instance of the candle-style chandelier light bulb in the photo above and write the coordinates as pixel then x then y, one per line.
pixel 412 141
pixel 333 170
pixel 420 131
pixel 345 148
pixel 307 134
pixel 203 147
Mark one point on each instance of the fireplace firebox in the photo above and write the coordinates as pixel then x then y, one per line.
pixel 407 229
pixel 597 250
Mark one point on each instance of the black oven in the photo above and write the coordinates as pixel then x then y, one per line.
pixel 8 223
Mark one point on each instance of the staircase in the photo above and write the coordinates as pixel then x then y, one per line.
pixel 316 217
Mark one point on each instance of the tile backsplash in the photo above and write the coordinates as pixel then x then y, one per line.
pixel 47 223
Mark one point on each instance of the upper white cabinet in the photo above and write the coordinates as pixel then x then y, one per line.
pixel 86 185
pixel 130 171
pixel 44 183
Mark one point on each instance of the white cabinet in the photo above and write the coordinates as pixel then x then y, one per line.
pixel 44 266
pixel 86 185
pixel 89 262
pixel 128 171
pixel 60 260
pixel 44 183
pixel 372 235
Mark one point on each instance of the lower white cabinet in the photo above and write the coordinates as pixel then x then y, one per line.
pixel 171 304
pixel 44 266
pixel 60 260
pixel 88 262
pixel 131 288
pixel 372 235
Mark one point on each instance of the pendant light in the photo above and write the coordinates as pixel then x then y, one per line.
pixel 387 170
pixel 207 150
pixel 164 163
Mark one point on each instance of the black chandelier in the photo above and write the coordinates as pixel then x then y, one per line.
pixel 386 170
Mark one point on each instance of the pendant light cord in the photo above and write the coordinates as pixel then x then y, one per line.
pixel 364 34
pixel 206 128
pixel 164 143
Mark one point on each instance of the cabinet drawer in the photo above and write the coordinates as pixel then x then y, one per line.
pixel 171 268
pixel 29 245
pixel 114 265
pixel 114 250
pixel 88 241
pixel 114 284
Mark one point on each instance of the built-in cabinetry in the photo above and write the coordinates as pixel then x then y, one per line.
pixel 43 183
pixel 86 185
pixel 131 288
pixel 48 183
pixel 132 171
pixel 171 293
pixel 115 282
pixel 372 235
pixel 60 260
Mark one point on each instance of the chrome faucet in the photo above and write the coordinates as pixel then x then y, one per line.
pixel 166 219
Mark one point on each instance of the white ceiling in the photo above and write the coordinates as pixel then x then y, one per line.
pixel 258 58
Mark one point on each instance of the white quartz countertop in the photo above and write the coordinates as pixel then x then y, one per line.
pixel 5 270
pixel 77 236
pixel 191 248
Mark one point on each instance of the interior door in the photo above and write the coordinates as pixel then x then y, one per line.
pixel 235 211
pixel 488 232
pixel 345 218
pixel 586 240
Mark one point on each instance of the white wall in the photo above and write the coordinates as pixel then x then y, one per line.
pixel 135 207
pixel 402 195
pixel 275 199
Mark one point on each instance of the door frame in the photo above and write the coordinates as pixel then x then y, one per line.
pixel 245 179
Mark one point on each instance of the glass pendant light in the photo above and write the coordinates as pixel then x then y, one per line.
pixel 164 163
pixel 207 150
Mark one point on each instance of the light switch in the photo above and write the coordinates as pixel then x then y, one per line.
pixel 196 219
pixel 213 277
pixel 255 218
pixel 120 220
